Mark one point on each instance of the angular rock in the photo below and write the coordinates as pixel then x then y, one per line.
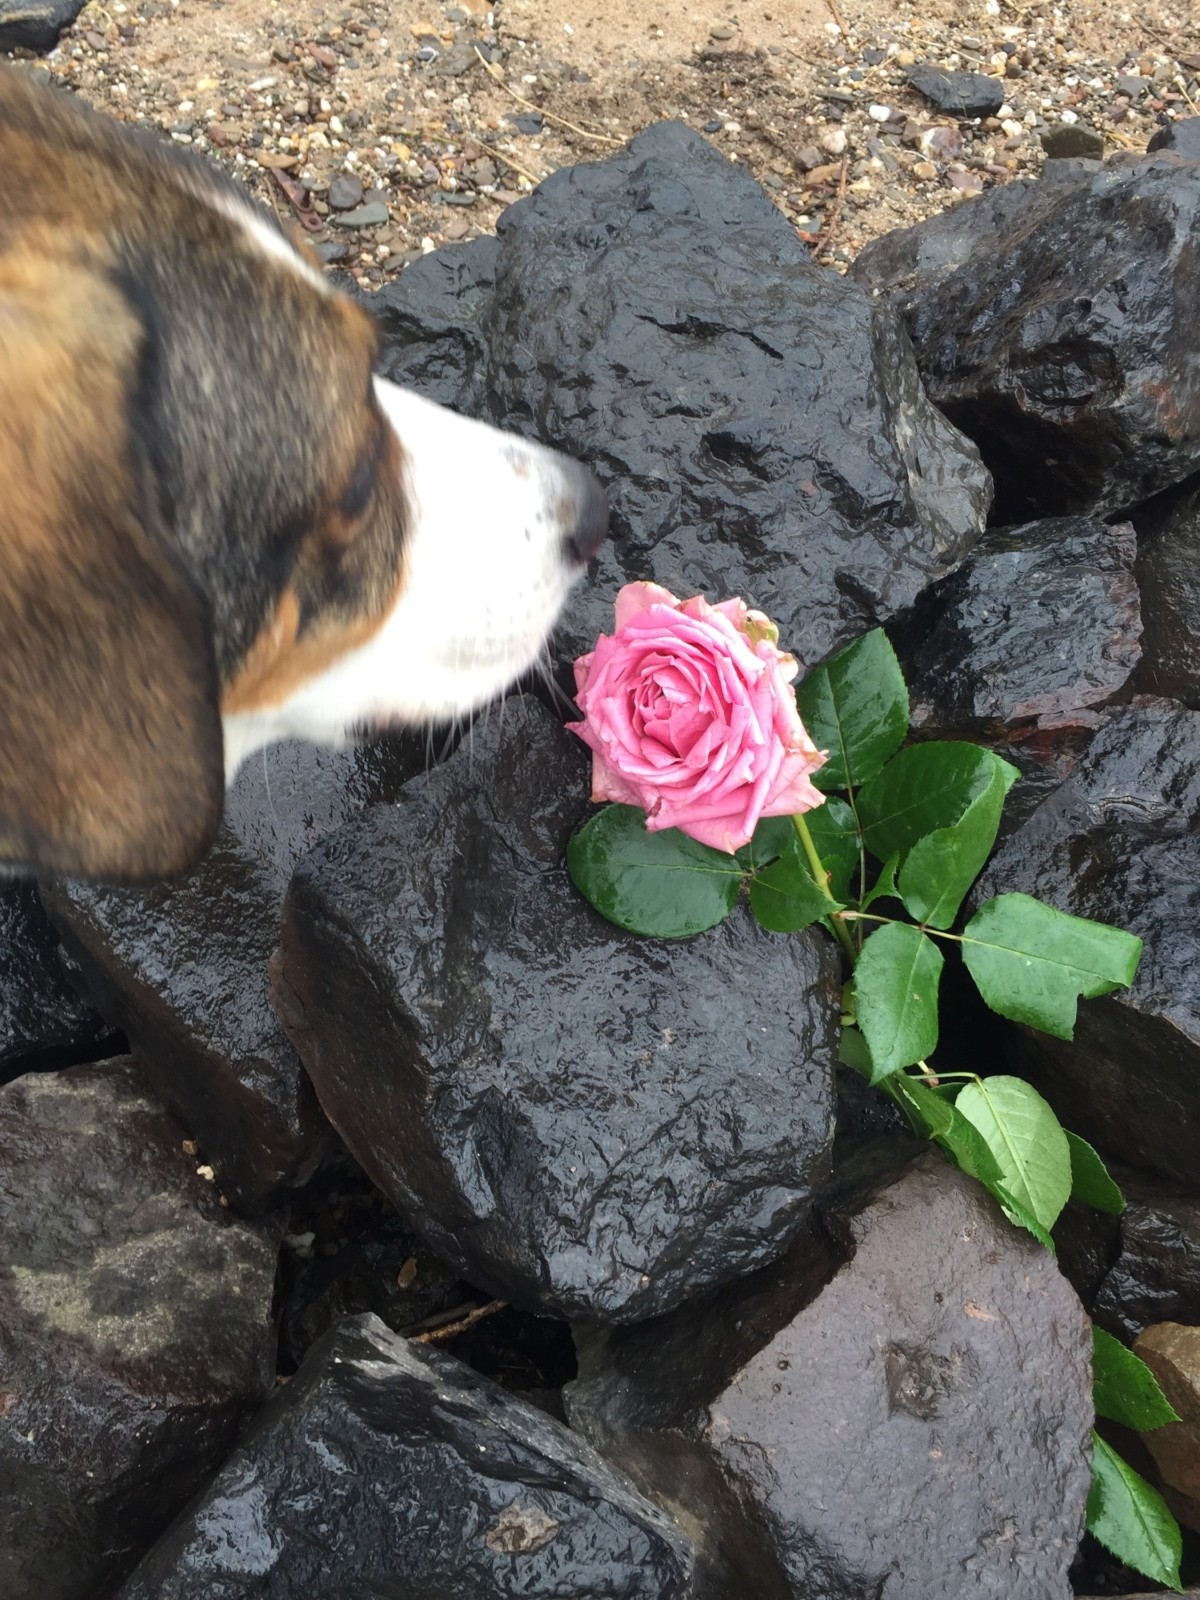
pixel 387 1468
pixel 1168 571
pixel 1037 630
pixel 43 1023
pixel 1068 349
pixel 1073 141
pixel 432 324
pixel 1172 1353
pixel 656 315
pixel 581 1121
pixel 181 968
pixel 959 94
pixel 35 24
pixel 1156 1274
pixel 135 1328
pixel 1183 137
pixel 1118 842
pixel 806 1423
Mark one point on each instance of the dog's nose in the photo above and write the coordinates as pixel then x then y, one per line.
pixel 585 535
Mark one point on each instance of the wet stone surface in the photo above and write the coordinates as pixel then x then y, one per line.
pixel 805 1421
pixel 590 1124
pixel 135 1328
pixel 1118 843
pixel 43 1023
pixel 386 1469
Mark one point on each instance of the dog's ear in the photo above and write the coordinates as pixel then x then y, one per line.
pixel 111 760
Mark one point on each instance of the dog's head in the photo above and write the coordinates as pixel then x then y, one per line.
pixel 217 526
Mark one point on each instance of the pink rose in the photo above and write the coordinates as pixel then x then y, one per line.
pixel 689 713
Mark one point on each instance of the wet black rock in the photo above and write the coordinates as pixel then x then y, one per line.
pixel 958 94
pixel 135 1328
pixel 807 1423
pixel 1119 842
pixel 656 315
pixel 1156 1274
pixel 1183 137
pixel 1066 348
pixel 181 968
pixel 1038 629
pixel 35 24
pixel 388 1469
pixel 1168 571
pixel 43 1023
pixel 583 1122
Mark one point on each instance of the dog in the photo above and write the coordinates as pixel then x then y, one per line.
pixel 218 527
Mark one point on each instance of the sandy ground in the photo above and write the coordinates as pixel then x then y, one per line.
pixel 441 114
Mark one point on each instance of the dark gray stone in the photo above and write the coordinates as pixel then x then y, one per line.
pixel 1119 842
pixel 374 215
pixel 1068 351
pixel 1168 571
pixel 959 94
pixel 135 1328
pixel 1183 137
pixel 35 24
pixel 1073 141
pixel 387 1471
pixel 656 315
pixel 581 1121
pixel 1038 629
pixel 43 1023
pixel 181 968
pixel 906 1419
pixel 1156 1274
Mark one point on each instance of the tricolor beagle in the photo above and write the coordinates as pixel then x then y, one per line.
pixel 217 526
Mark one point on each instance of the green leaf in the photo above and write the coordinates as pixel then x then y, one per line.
pixel 1090 1179
pixel 1125 1388
pixel 1131 1519
pixel 784 896
pixel 884 887
pixel 664 885
pixel 1021 1215
pixel 856 707
pixel 853 1052
pixel 771 839
pixel 834 832
pixel 928 1114
pixel 925 788
pixel 1025 1138
pixel 1031 963
pixel 969 1148
pixel 941 867
pixel 896 982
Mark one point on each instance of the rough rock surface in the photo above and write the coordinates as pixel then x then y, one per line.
pixel 135 1328
pixel 1036 630
pixel 655 315
pixel 805 1425
pixel 1071 341
pixel 1156 1274
pixel 384 1469
pixel 1183 137
pixel 1168 573
pixel 1172 1352
pixel 1118 842
pixel 181 968
pixel 960 94
pixel 43 1023
pixel 584 1122
pixel 35 24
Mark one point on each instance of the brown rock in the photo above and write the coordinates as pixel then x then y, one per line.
pixel 1172 1352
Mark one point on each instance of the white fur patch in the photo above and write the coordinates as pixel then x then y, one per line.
pixel 486 571
pixel 264 237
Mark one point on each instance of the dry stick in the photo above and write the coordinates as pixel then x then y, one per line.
pixel 827 245
pixel 549 116
pixel 453 1329
pixel 507 161
pixel 837 17
pixel 1181 85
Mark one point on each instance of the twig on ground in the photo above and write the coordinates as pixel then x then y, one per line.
pixel 453 1329
pixel 837 17
pixel 549 116
pixel 507 161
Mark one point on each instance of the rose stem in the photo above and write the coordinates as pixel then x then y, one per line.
pixel 822 882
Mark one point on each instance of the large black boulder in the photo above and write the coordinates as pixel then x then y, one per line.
pixel 136 1330
pixel 387 1471
pixel 1120 842
pixel 1066 344
pixel 584 1122
pixel 43 1023
pixel 758 424
pixel 900 1408
pixel 1168 572
pixel 35 24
